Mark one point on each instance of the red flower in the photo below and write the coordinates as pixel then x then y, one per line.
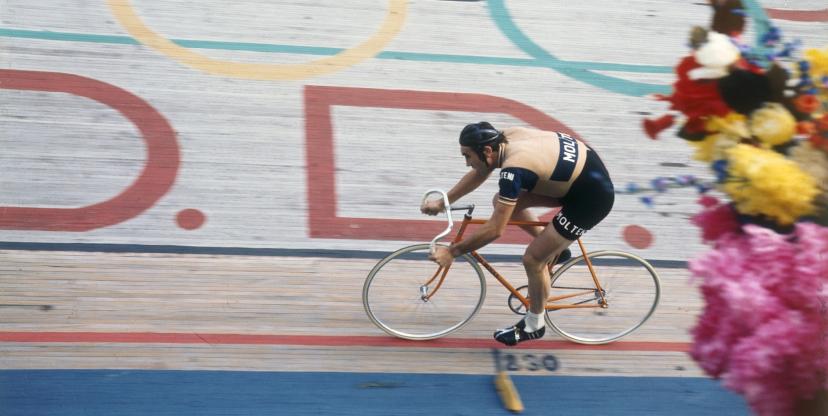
pixel 822 123
pixel 654 126
pixel 819 141
pixel 806 103
pixel 695 98
pixel 716 219
pixel 805 128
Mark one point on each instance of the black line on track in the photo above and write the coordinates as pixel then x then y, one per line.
pixel 252 251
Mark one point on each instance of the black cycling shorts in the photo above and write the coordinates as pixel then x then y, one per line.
pixel 588 201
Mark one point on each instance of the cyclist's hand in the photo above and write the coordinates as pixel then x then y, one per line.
pixel 432 207
pixel 442 256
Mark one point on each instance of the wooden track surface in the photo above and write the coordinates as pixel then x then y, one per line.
pixel 136 134
pixel 278 298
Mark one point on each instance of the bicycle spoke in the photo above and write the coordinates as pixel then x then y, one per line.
pixel 447 307
pixel 630 287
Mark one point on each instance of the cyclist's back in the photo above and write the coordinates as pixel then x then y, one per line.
pixel 558 166
pixel 553 160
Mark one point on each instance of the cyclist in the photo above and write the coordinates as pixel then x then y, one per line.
pixel 537 169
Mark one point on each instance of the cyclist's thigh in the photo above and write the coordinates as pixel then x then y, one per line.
pixel 588 201
pixel 550 242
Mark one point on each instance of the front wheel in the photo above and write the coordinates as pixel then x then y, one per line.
pixel 630 286
pixel 402 297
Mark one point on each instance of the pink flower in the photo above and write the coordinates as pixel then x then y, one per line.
pixel 773 367
pixel 764 324
pixel 716 219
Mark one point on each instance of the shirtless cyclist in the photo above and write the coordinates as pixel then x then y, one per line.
pixel 537 169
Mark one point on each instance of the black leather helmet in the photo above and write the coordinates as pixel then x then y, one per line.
pixel 477 135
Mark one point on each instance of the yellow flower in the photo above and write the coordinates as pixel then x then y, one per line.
pixel 713 146
pixel 772 124
pixel 733 124
pixel 815 163
pixel 819 62
pixel 726 132
pixel 812 161
pixel 763 182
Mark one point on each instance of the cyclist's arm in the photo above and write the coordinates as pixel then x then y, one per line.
pixel 469 182
pixel 488 232
pixel 512 180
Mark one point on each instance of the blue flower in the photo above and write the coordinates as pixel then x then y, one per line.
pixel 771 37
pixel 703 188
pixel 685 180
pixel 659 184
pixel 720 167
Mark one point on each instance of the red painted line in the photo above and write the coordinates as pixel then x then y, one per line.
pixel 321 341
pixel 799 15
pixel 323 222
pixel 155 180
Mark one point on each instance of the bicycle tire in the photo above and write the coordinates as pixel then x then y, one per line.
pixel 393 300
pixel 632 289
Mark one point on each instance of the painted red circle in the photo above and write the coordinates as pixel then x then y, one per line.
pixel 638 236
pixel 190 219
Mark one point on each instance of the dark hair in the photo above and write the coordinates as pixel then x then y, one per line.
pixel 478 135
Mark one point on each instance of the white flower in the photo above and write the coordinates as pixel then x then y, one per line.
pixel 714 56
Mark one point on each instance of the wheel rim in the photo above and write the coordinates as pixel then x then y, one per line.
pixel 632 290
pixel 394 301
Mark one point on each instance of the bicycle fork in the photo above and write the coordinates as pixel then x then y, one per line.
pixel 425 296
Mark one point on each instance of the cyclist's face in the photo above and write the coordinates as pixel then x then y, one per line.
pixel 473 160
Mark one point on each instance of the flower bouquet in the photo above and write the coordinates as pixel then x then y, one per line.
pixel 758 115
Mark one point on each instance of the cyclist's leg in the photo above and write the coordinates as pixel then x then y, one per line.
pixel 588 201
pixel 554 239
pixel 540 251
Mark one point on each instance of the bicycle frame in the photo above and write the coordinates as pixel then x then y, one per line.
pixel 550 305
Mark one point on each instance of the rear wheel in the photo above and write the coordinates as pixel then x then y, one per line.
pixel 631 288
pixel 401 298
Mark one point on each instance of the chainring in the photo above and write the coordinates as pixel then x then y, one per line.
pixel 515 304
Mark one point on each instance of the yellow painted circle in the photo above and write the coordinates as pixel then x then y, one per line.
pixel 128 18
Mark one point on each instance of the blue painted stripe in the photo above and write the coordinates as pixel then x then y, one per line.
pixel 761 25
pixel 501 17
pixel 66 36
pixel 322 51
pixel 581 71
pixel 255 47
pixel 227 393
pixel 488 60
pixel 255 251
